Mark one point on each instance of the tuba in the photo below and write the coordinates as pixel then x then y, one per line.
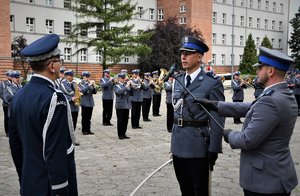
pixel 158 82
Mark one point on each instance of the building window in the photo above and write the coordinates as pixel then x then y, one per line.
pixel 257 42
pixel 98 56
pixel 259 4
pixel 67 54
pixel 67 4
pixel 223 39
pixel 67 28
pixel 280 26
pixel 242 21
pixel 258 23
pixel 151 14
pixel 182 9
pixel 281 8
pixel 49 26
pixel 224 18
pixel 279 43
pixel 223 59
pixel 83 55
pixel 160 14
pixel 126 59
pixel 214 17
pixel 83 32
pixel 267 6
pixel 182 20
pixel 213 59
pixel 242 3
pixel 241 40
pixel 273 24
pixel 214 38
pixel 140 12
pixel 241 58
pixel 49 2
pixel 250 3
pixel 274 6
pixel 272 42
pixel 266 24
pixel 99 28
pixel 30 25
pixel 250 21
pixel 12 22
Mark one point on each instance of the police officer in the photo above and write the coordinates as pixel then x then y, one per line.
pixel 123 105
pixel 61 78
pixel 136 98
pixel 266 164
pixel 68 88
pixel 3 86
pixel 107 83
pixel 170 109
pixel 156 95
pixel 238 85
pixel 11 90
pixel 41 138
pixel 88 89
pixel 147 96
pixel 196 139
pixel 296 88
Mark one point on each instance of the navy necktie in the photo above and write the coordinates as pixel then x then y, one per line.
pixel 188 81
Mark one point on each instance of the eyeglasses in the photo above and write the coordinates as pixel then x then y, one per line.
pixel 61 61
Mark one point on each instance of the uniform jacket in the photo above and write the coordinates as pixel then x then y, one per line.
pixel 48 166
pixel 3 86
pixel 68 90
pixel 122 96
pixel 296 82
pixel 107 88
pixel 238 91
pixel 136 94
pixel 168 88
pixel 266 165
pixel 87 91
pixel 147 90
pixel 58 81
pixel 188 141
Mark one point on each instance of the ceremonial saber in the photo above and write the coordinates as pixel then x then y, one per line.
pixel 154 172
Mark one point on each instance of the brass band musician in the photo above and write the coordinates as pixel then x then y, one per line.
pixel 156 96
pixel 147 96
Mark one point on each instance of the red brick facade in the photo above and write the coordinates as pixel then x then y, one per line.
pixel 5 37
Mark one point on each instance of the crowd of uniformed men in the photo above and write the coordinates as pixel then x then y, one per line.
pixel 42 139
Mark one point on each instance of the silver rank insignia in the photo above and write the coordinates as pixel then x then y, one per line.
pixel 178 104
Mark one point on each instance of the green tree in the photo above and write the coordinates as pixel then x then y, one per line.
pixel 266 42
pixel 294 42
pixel 18 44
pixel 165 43
pixel 249 57
pixel 109 21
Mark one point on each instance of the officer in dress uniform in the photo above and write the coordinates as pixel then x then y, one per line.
pixel 147 96
pixel 123 105
pixel 107 83
pixel 196 139
pixel 266 164
pixel 59 80
pixel 88 89
pixel 237 86
pixel 68 88
pixel 296 88
pixel 11 90
pixel 136 98
pixel 156 96
pixel 3 86
pixel 168 85
pixel 41 137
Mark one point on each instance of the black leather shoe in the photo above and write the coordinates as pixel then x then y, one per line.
pixel 121 137
pixel 126 137
pixel 137 127
pixel 90 133
pixel 105 124
pixel 110 124
pixel 85 133
pixel 77 144
pixel 147 120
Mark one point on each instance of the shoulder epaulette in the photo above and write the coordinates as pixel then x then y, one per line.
pixel 268 92
pixel 213 75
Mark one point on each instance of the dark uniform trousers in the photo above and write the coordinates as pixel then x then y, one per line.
pixel 192 175
pixel 156 104
pixel 298 101
pixel 107 110
pixel 236 120
pixel 86 114
pixel 249 193
pixel 6 119
pixel 146 108
pixel 122 121
pixel 170 116
pixel 74 119
pixel 135 114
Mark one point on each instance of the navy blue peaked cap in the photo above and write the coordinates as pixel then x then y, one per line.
pixel 122 75
pixel 69 72
pixel 136 71
pixel 193 44
pixel 106 71
pixel 237 73
pixel 43 48
pixel 86 73
pixel 274 58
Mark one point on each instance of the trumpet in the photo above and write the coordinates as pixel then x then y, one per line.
pixel 93 83
pixel 248 82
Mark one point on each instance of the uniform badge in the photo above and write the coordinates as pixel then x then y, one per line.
pixel 200 78
pixel 186 39
pixel 178 104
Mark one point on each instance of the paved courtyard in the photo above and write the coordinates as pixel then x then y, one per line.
pixel 109 166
